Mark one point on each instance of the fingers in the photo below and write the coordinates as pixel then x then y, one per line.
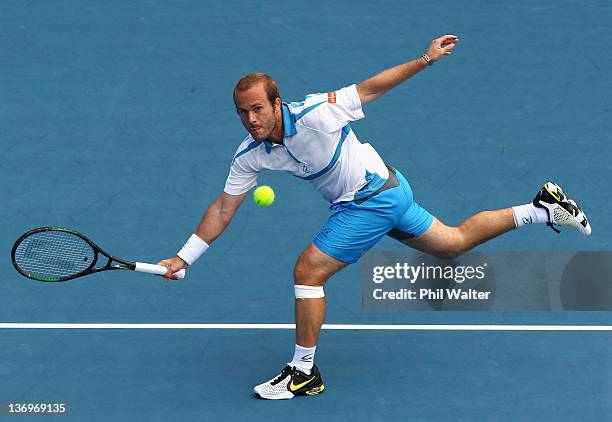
pixel 179 274
pixel 447 39
pixel 442 46
pixel 447 50
pixel 169 273
pixel 171 269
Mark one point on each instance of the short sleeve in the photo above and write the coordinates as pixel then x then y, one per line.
pixel 347 103
pixel 331 111
pixel 243 172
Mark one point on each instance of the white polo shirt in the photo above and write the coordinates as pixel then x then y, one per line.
pixel 319 146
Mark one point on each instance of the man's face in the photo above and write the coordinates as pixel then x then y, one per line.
pixel 257 114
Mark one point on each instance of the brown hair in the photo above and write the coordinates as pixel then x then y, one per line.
pixel 247 81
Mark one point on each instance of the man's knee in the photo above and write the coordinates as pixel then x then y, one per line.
pixel 305 272
pixel 300 270
pixel 440 240
pixel 454 246
pixel 307 286
pixel 452 252
pixel 314 267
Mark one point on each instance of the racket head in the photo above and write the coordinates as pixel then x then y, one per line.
pixel 54 254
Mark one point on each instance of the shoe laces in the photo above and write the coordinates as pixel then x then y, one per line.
pixel 287 370
pixel 552 226
pixel 570 206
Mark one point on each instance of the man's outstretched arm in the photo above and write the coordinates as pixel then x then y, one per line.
pixel 214 221
pixel 218 216
pixel 374 87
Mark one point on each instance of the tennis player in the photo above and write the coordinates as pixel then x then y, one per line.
pixel 313 140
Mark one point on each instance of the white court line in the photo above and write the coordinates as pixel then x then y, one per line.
pixel 397 327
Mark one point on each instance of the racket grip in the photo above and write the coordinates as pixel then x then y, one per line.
pixel 157 269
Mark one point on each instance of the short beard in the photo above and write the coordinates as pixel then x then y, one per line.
pixel 267 138
pixel 273 127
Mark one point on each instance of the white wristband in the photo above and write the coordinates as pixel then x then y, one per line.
pixel 193 249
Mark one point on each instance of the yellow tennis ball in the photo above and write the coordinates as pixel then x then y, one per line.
pixel 263 196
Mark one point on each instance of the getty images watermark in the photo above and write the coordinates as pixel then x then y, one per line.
pixel 488 281
pixel 422 272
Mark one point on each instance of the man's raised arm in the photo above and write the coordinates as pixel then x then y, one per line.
pixel 372 88
pixel 214 221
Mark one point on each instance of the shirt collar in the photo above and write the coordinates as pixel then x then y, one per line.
pixel 288 126
pixel 288 122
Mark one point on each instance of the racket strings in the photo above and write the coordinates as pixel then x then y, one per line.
pixel 53 255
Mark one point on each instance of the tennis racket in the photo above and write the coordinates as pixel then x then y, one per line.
pixel 54 254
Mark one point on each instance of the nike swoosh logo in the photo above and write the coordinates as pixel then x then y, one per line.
pixel 294 387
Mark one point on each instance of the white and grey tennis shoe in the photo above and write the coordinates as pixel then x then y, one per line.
pixel 291 382
pixel 562 211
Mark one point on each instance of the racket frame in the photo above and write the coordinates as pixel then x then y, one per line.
pixel 122 264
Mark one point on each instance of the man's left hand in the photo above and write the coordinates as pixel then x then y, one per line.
pixel 441 47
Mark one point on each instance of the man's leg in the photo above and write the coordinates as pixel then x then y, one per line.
pixel 312 268
pixel 301 376
pixel 550 206
pixel 449 242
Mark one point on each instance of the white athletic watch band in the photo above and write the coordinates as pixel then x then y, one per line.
pixel 193 249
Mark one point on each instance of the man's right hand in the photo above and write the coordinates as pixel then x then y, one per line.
pixel 173 264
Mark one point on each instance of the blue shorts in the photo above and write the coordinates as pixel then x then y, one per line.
pixel 356 226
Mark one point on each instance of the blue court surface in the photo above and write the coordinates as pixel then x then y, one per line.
pixel 117 120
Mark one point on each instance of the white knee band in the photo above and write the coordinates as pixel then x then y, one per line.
pixel 308 292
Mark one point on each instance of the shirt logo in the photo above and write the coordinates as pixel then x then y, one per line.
pixel 331 97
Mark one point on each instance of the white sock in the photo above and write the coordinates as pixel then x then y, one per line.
pixel 303 358
pixel 529 214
